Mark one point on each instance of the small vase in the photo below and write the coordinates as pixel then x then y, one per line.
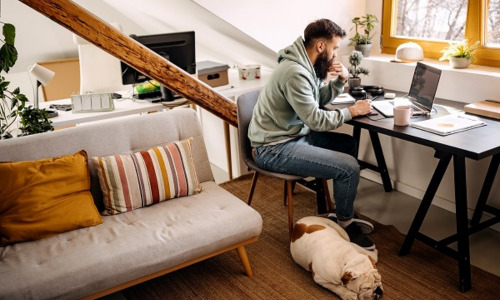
pixel 364 48
pixel 459 62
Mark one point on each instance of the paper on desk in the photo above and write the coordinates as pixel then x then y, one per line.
pixel 343 98
pixel 449 124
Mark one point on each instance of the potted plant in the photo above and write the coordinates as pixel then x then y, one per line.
pixel 460 54
pixel 363 41
pixel 12 101
pixel 355 69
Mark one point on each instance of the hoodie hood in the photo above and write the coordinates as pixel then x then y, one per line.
pixel 297 53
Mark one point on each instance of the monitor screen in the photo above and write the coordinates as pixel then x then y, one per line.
pixel 177 47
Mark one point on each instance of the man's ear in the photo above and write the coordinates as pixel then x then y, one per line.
pixel 320 46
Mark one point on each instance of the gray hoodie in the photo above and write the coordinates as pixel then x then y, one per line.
pixel 290 103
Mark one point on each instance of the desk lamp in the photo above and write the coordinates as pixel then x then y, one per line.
pixel 42 76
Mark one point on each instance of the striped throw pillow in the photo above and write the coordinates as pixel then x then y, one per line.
pixel 131 181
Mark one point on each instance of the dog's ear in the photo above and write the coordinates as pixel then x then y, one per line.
pixel 348 276
pixel 298 230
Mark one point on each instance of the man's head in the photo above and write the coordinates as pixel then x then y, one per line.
pixel 321 39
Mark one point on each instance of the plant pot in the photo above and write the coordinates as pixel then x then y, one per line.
pixel 364 48
pixel 459 62
pixel 353 82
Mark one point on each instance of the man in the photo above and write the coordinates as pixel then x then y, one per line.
pixel 290 132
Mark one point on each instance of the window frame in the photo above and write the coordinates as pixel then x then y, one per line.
pixel 474 30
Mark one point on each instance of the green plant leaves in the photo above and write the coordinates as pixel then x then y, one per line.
pixel 8 53
pixel 9 33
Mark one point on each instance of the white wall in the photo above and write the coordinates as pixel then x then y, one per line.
pixel 278 23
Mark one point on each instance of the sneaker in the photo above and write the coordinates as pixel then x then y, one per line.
pixel 357 237
pixel 366 227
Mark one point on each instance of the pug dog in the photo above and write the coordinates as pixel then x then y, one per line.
pixel 322 247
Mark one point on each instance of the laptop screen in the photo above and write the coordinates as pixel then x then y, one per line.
pixel 424 84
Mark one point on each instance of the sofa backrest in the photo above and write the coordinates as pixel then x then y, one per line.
pixel 114 136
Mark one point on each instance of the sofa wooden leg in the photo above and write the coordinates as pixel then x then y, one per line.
pixel 242 253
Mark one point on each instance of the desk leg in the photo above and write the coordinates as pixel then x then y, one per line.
pixel 485 190
pixel 228 150
pixel 379 155
pixel 356 134
pixel 425 204
pixel 462 223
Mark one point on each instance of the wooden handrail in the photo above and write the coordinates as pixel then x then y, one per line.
pixel 93 29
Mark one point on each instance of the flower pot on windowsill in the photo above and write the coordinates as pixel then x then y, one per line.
pixel 364 48
pixel 459 62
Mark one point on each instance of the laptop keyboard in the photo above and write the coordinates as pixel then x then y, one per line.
pixel 413 106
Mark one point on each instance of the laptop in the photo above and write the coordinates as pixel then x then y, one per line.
pixel 421 95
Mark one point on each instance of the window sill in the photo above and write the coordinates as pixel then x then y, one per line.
pixel 468 85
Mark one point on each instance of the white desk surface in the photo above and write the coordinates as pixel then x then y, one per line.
pixel 123 107
pixel 127 106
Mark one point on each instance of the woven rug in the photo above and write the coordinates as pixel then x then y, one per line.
pixel 423 274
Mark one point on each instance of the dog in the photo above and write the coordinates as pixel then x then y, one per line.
pixel 322 247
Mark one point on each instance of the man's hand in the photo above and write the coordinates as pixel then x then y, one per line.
pixel 337 69
pixel 360 108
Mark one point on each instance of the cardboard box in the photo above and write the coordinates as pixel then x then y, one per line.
pixel 212 73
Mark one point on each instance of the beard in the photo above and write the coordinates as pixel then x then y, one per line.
pixel 322 65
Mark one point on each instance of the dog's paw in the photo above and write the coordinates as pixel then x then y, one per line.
pixel 350 296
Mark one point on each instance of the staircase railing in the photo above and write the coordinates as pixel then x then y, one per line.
pixel 93 29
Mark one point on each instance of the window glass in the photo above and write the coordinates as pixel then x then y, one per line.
pixel 433 19
pixel 493 24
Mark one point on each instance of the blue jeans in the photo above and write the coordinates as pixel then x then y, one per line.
pixel 329 155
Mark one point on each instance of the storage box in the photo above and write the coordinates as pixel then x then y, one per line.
pixel 212 73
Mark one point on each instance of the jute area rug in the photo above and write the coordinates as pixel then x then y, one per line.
pixel 423 274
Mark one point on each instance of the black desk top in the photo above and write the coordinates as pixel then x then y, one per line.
pixel 476 143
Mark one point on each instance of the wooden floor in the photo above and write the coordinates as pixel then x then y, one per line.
pixel 398 209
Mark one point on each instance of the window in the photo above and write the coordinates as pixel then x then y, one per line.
pixel 434 23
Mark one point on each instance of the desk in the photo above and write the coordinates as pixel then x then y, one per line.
pixel 475 144
pixel 122 108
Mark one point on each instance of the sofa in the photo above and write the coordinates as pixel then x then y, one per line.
pixel 134 246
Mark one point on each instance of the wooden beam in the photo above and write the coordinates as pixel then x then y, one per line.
pixel 93 29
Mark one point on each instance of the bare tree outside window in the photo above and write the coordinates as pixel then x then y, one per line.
pixel 493 20
pixel 433 19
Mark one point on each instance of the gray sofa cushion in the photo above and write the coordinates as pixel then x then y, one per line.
pixel 126 246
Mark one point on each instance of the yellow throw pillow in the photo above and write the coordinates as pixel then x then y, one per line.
pixel 45 197
pixel 131 181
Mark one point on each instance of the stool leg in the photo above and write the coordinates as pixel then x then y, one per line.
pixel 328 199
pixel 252 188
pixel 290 207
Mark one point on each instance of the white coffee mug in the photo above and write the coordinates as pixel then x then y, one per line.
pixel 402 115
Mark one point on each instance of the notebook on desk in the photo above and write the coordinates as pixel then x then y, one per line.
pixel 421 95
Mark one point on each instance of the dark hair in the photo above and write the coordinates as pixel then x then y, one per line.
pixel 322 28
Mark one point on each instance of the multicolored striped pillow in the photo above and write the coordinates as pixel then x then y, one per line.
pixel 131 181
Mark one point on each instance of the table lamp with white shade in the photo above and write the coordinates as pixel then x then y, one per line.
pixel 43 76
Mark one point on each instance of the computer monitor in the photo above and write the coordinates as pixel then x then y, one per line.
pixel 177 47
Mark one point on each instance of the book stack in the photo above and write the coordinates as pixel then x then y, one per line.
pixel 486 108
